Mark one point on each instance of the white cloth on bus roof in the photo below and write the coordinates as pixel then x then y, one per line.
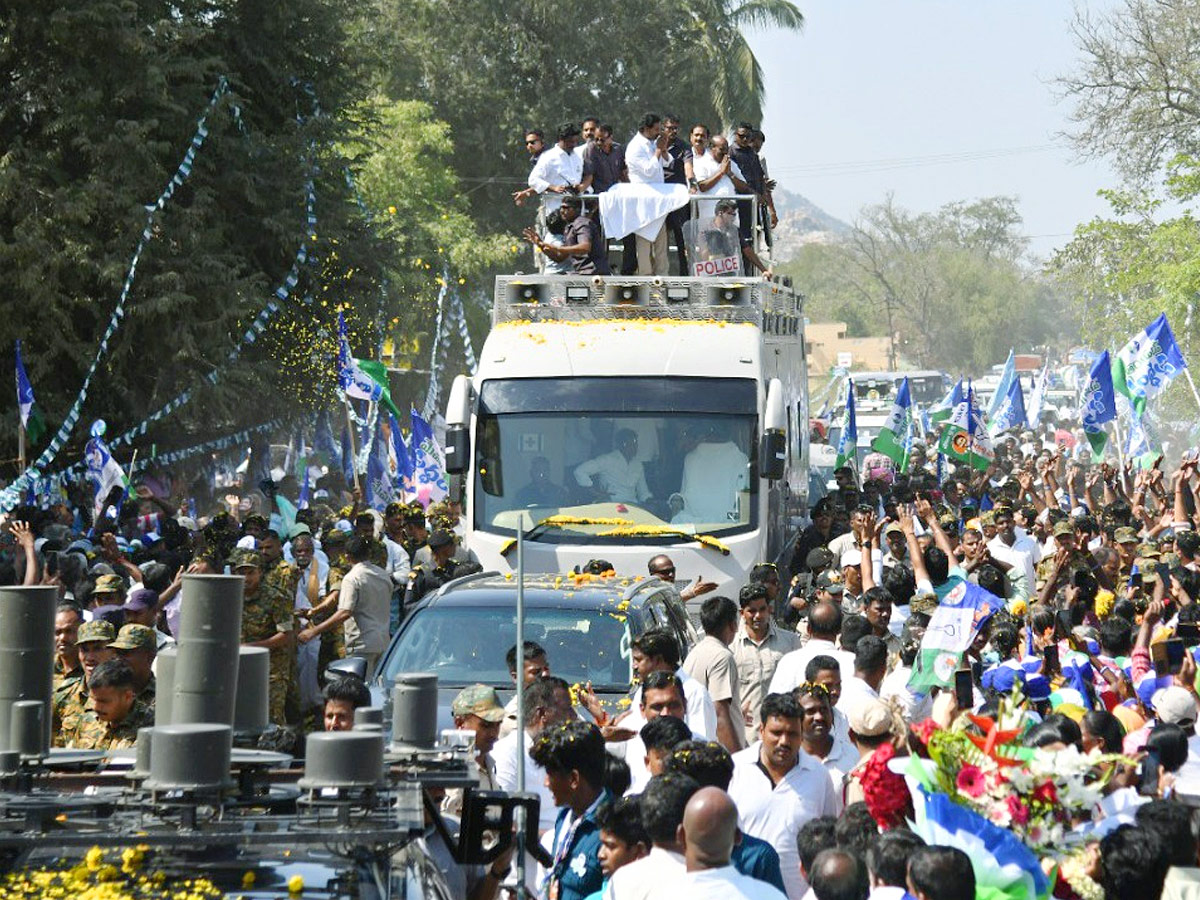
pixel 639 208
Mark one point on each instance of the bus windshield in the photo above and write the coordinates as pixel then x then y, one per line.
pixel 613 457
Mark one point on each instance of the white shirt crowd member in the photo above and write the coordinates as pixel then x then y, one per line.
pixel 555 168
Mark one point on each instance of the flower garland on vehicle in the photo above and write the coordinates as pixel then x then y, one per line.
pixel 95 876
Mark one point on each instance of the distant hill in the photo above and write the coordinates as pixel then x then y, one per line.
pixel 802 222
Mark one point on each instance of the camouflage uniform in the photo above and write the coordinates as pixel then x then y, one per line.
pixel 282 578
pixel 1079 559
pixel 69 703
pixel 69 708
pixel 149 693
pixel 61 677
pixel 333 641
pixel 94 734
pixel 264 615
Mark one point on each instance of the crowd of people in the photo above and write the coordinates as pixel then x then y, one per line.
pixel 330 584
pixel 777 754
pixel 584 162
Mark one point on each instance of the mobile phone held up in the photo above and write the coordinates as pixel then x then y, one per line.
pixel 1167 657
pixel 964 689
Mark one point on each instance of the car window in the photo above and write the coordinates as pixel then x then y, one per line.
pixel 464 645
pixel 678 613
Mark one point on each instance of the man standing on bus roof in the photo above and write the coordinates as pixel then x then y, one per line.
pixel 616 476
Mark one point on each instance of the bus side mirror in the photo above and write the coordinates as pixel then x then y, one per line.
pixel 458 449
pixel 772 451
pixel 772 455
pixel 458 423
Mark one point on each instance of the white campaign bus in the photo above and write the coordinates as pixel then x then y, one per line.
pixel 621 417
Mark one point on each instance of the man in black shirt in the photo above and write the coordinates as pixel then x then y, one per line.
pixel 747 160
pixel 673 173
pixel 582 243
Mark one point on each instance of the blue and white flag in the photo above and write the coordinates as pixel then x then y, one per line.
pixel 944 408
pixel 950 632
pixel 31 418
pixel 1004 868
pixel 847 448
pixel 1148 363
pixel 1097 405
pixel 400 462
pixel 428 463
pixel 365 379
pixel 1007 376
pixel 103 471
pixel 378 490
pixel 1037 400
pixel 1011 411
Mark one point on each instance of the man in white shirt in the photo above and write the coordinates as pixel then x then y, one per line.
pixel 1019 551
pixel 661 695
pixel 657 650
pixel 547 702
pixel 557 171
pixel 364 606
pixel 778 787
pixel 717 175
pixel 645 158
pixel 817 736
pixel 708 833
pixel 824 626
pixel 870 667
pixel 715 472
pixel 617 476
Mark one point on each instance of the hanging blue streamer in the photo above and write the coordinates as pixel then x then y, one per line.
pixel 11 495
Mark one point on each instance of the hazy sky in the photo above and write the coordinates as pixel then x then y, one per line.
pixel 933 101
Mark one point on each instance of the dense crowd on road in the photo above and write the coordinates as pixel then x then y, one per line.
pixel 800 746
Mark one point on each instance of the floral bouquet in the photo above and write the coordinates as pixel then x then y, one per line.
pixel 1041 796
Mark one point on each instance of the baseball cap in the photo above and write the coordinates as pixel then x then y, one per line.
pixel 135 637
pixel 109 584
pixel 141 599
pixel 831 582
pixel 872 718
pixel 478 700
pixel 96 630
pixel 1062 527
pixel 243 558
pixel 1171 704
pixel 893 528
pixel 852 558
pixel 1125 535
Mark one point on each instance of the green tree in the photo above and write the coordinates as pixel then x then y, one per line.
pixel 952 286
pixel 97 104
pixel 492 68
pixel 1136 89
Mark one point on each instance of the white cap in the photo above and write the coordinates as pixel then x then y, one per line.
pixel 851 558
pixel 1174 705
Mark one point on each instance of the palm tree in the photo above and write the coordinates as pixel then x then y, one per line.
pixel 738 90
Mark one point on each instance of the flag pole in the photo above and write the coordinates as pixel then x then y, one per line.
pixel 353 445
pixel 1192 384
pixel 1120 441
pixel 20 444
